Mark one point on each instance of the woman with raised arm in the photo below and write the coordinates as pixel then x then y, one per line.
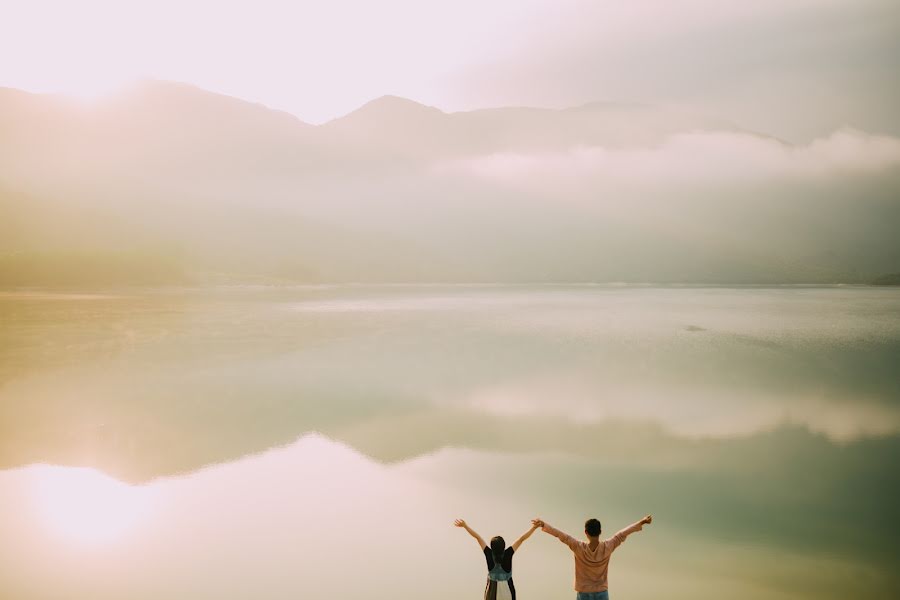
pixel 499 563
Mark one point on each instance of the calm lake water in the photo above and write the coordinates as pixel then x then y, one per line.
pixel 290 442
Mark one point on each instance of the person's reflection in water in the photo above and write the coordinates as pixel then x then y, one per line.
pixel 499 563
pixel 592 557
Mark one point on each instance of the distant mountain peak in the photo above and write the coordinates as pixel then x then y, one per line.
pixel 397 102
pixel 389 109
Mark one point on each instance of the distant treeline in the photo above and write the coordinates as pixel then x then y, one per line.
pixel 47 268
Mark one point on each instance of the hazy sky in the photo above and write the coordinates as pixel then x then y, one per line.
pixel 796 69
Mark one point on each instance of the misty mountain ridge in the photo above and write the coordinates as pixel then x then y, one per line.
pixel 400 191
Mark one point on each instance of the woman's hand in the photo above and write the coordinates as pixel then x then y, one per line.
pixel 474 534
pixel 537 523
pixel 526 535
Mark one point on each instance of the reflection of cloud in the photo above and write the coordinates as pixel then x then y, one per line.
pixel 708 156
pixel 691 410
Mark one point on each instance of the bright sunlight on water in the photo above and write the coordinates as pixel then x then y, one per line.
pixel 86 505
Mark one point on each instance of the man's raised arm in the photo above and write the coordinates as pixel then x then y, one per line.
pixel 565 538
pixel 617 539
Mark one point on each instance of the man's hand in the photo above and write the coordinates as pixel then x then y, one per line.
pixel 647 520
pixel 537 523
pixel 459 523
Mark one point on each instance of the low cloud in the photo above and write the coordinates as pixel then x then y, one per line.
pixel 705 157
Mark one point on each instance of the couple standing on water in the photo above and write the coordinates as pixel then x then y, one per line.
pixel 591 558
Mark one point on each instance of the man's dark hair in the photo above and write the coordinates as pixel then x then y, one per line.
pixel 592 527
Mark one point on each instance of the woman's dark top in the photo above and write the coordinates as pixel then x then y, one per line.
pixel 505 560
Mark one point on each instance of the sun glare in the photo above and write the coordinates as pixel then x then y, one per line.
pixel 87 506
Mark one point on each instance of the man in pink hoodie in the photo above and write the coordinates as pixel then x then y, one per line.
pixel 592 557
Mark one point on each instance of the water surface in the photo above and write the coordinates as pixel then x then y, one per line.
pixel 259 442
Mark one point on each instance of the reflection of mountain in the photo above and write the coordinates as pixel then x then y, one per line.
pixel 152 383
pixel 397 191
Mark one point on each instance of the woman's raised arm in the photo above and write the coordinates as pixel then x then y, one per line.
pixel 461 523
pixel 524 537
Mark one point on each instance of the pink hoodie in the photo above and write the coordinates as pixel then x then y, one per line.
pixel 591 566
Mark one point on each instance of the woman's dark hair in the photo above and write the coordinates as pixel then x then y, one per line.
pixel 498 545
pixel 592 527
